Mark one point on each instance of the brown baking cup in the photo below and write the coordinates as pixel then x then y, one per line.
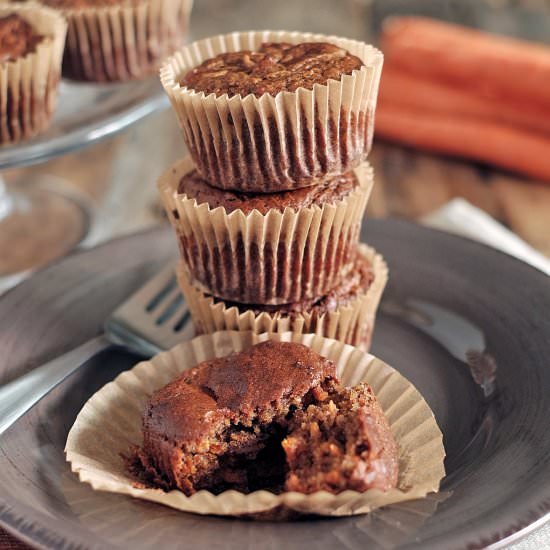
pixel 109 425
pixel 29 84
pixel 275 143
pixel 124 41
pixel 352 323
pixel 273 258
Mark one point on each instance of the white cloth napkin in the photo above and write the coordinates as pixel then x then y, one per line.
pixel 462 218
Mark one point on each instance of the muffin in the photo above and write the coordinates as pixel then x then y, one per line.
pixel 31 50
pixel 347 313
pixel 114 40
pixel 266 112
pixel 278 248
pixel 239 422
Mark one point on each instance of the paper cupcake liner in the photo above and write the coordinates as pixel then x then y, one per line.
pixel 110 425
pixel 28 85
pixel 123 42
pixel 276 258
pixel 352 323
pixel 275 143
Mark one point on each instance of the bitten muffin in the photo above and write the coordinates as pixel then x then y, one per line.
pixel 229 422
pixel 115 40
pixel 347 313
pixel 274 111
pixel 266 249
pixel 31 49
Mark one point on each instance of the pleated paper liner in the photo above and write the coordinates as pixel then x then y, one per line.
pixel 28 85
pixel 352 323
pixel 275 143
pixel 276 258
pixel 123 42
pixel 110 424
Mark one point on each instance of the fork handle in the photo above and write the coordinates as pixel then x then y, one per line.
pixel 18 396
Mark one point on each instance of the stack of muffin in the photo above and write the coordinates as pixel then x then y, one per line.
pixel 269 206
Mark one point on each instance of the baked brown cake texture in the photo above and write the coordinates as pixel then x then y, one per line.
pixel 17 38
pixel 341 443
pixel 274 68
pixel 263 152
pixel 290 274
pixel 325 192
pixel 228 422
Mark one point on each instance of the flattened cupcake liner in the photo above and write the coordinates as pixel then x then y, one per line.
pixel 115 43
pixel 275 143
pixel 352 323
pixel 28 85
pixel 109 425
pixel 276 258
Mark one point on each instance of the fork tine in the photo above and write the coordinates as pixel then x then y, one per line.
pixel 158 298
pixel 171 308
pixel 184 319
pixel 154 288
pixel 154 318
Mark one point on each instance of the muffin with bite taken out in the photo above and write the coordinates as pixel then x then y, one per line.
pixel 270 417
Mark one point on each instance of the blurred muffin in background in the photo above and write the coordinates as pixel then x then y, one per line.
pixel 31 50
pixel 116 40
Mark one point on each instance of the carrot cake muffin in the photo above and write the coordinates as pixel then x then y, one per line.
pixel 346 313
pixel 239 422
pixel 31 49
pixel 276 248
pixel 297 108
pixel 114 40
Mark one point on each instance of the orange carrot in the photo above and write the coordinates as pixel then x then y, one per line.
pixel 409 91
pixel 480 63
pixel 481 140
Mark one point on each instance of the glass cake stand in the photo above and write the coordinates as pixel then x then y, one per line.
pixel 42 218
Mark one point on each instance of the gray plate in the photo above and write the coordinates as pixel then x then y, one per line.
pixel 448 298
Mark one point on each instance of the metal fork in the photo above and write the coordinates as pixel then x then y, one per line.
pixel 151 320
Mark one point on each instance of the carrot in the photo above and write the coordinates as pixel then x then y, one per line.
pixel 510 148
pixel 480 63
pixel 409 91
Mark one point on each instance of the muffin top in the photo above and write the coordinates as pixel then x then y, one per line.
pixel 328 192
pixel 355 283
pixel 17 37
pixel 274 68
pixel 77 4
pixel 241 386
